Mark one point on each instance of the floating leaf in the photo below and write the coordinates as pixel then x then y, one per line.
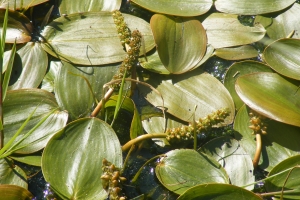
pixel 72 91
pixel 81 146
pixel 225 30
pixel 218 191
pixel 72 6
pixel 275 147
pixel 91 38
pixel 179 170
pixel 238 69
pixel 280 26
pixel 270 95
pixel 21 4
pixel 35 160
pixel 190 90
pixel 12 174
pixel 13 192
pixel 19 27
pixel 30 66
pixel 18 104
pixel 177 7
pixel 290 177
pixel 181 42
pixel 278 55
pixel 254 7
pixel 237 163
pixel 153 63
pixel 48 81
pixel 237 53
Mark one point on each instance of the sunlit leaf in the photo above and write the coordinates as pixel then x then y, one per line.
pixel 179 170
pixel 254 7
pixel 225 30
pixel 13 192
pixel 72 6
pixel 270 95
pixel 237 53
pixel 30 66
pixel 72 91
pixel 18 104
pixel 177 7
pixel 218 191
pixel 236 162
pixel 181 42
pixel 290 181
pixel 278 55
pixel 48 80
pixel 91 38
pixel 11 174
pixel 19 27
pixel 21 4
pixel 80 146
pixel 238 69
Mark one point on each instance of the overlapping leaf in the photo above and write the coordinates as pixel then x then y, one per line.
pixel 91 38
pixel 80 146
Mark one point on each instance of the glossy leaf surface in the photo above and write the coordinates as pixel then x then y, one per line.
pixel 177 7
pixel 91 38
pixel 271 95
pixel 12 175
pixel 190 90
pixel 17 106
pixel 181 42
pixel 21 4
pixel 237 163
pixel 218 191
pixel 237 53
pixel 254 7
pixel 238 69
pixel 290 177
pixel 284 57
pixel 19 27
pixel 81 146
pixel 225 30
pixel 30 66
pixel 13 192
pixel 72 91
pixel 73 6
pixel 179 170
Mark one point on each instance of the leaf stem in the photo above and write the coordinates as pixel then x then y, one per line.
pixel 140 138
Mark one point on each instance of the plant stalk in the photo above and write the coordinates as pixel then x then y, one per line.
pixel 258 150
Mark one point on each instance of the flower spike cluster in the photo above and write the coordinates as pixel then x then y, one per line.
pixel 186 133
pixel 131 42
pixel 111 180
pixel 258 124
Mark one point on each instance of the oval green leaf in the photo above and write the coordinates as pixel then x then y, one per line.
pixel 72 91
pixel 48 80
pixel 73 6
pixel 153 63
pixel 30 66
pixel 179 170
pixel 238 69
pixel 91 38
pixel 254 7
pixel 21 4
pixel 13 192
pixel 225 30
pixel 181 42
pixel 280 26
pixel 275 146
pixel 270 95
pixel 190 90
pixel 80 146
pixel 236 162
pixel 276 183
pixel 218 191
pixel 177 7
pixel 284 57
pixel 16 108
pixel 237 53
pixel 19 27
pixel 12 174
